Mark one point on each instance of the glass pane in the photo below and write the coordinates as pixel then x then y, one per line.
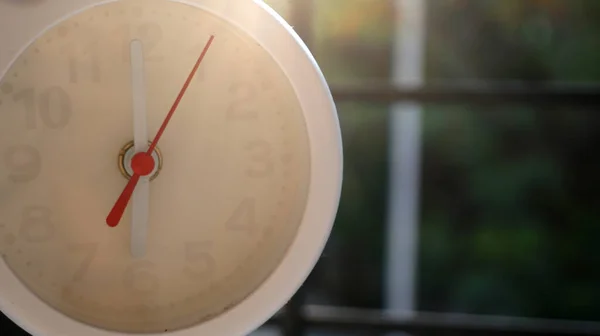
pixel 282 7
pixel 510 212
pixel 508 205
pixel 466 39
pixel 353 39
pixel 514 39
pixel 350 271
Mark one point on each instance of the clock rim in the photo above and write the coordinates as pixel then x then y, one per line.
pixel 326 165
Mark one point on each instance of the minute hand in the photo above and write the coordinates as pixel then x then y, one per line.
pixel 142 163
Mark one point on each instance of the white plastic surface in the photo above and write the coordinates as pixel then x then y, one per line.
pixel 279 39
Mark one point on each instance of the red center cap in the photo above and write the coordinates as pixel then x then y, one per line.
pixel 142 164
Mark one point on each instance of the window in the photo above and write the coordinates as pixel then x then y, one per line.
pixel 493 128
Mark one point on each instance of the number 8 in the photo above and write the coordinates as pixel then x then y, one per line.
pixel 37 226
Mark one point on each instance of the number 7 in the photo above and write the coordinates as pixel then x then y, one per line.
pixel 89 252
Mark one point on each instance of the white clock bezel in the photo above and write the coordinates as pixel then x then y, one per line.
pixel 278 38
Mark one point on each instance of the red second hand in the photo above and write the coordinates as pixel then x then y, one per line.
pixel 143 163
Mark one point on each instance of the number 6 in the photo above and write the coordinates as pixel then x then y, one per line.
pixel 139 277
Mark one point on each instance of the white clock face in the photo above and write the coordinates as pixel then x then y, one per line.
pixel 225 205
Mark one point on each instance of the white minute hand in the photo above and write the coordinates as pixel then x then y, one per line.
pixel 141 195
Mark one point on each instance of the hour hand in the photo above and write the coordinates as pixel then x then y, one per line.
pixel 141 195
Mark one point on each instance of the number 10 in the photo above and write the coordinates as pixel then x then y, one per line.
pixel 54 116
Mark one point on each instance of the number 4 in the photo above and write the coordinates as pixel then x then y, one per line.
pixel 244 216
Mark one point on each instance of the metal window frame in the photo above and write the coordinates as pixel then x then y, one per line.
pixel 567 95
pixel 297 317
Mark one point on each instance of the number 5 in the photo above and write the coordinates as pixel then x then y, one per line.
pixel 200 263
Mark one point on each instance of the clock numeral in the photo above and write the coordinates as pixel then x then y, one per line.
pixel 89 254
pixel 261 157
pixel 55 99
pixel 150 33
pixel 199 261
pixel 89 61
pixel 239 110
pixel 27 97
pixel 37 226
pixel 53 105
pixel 244 217
pixel 23 162
pixel 139 277
pixel 123 35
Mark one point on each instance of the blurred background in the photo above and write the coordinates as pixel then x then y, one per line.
pixel 470 201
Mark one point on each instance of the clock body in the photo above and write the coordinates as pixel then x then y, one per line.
pixel 249 176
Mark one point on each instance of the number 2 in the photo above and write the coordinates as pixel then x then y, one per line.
pixel 239 110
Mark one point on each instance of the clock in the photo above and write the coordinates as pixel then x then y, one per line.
pixel 166 167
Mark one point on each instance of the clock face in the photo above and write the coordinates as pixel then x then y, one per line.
pixel 225 205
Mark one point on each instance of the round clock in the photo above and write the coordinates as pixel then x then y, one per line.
pixel 166 167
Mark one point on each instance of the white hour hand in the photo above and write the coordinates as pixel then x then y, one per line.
pixel 141 195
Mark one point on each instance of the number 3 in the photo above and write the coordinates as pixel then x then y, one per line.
pixel 261 157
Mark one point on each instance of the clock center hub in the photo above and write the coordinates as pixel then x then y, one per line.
pixel 132 162
pixel 142 163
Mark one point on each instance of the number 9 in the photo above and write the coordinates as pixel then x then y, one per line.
pixel 23 162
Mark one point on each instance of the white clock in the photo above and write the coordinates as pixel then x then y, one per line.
pixel 166 167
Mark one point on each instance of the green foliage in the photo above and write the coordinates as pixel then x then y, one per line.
pixel 358 237
pixel 509 219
